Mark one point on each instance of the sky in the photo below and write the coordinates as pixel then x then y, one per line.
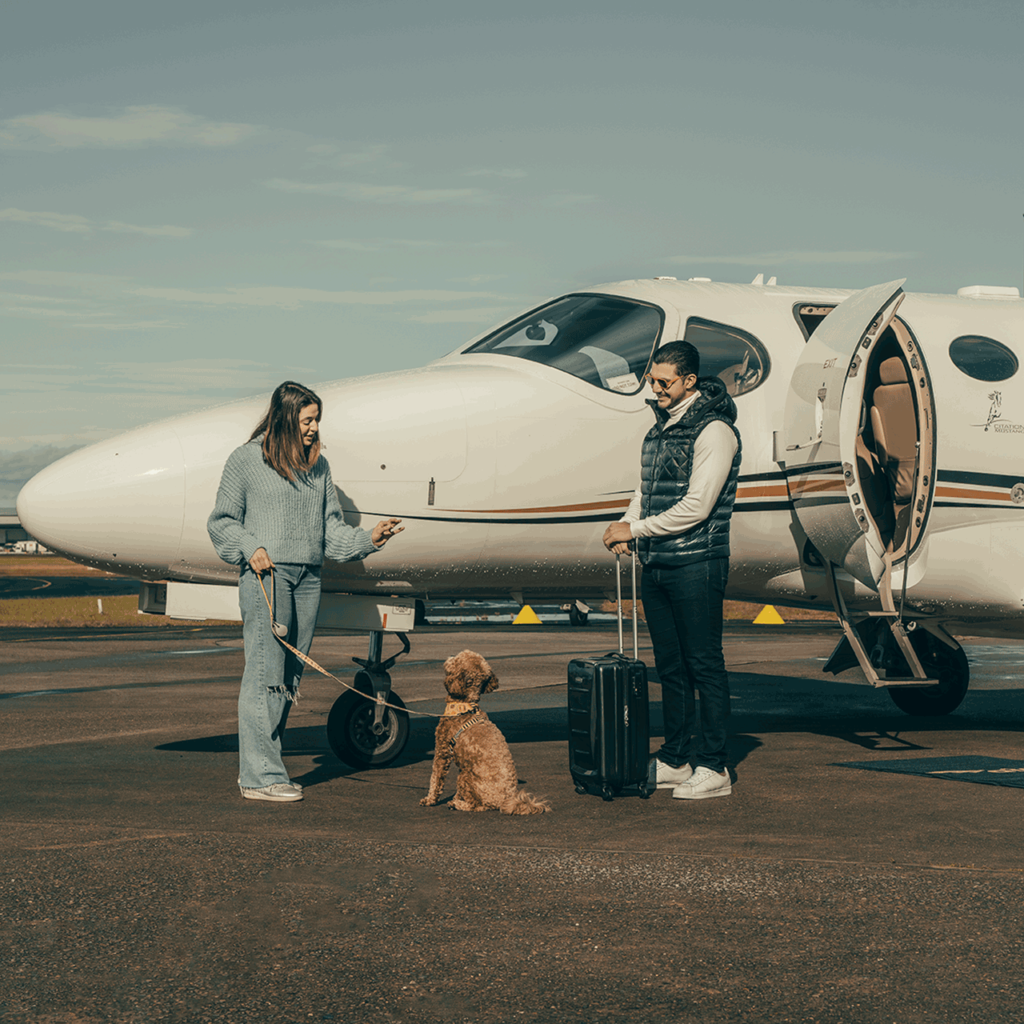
pixel 200 200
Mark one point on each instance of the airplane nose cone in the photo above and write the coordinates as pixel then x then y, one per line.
pixel 120 501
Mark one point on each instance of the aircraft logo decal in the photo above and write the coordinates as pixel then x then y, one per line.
pixel 995 417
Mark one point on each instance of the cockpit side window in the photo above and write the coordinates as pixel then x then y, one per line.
pixel 604 340
pixel 737 358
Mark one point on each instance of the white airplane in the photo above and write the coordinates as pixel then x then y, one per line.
pixel 880 435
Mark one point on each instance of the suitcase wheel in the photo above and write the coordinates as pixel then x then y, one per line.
pixel 606 792
pixel 645 793
pixel 580 788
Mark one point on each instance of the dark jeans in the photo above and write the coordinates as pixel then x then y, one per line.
pixel 683 607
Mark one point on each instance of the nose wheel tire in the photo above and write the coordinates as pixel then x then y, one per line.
pixel 351 736
pixel 948 665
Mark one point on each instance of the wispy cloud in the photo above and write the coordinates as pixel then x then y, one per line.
pixel 489 315
pixel 362 192
pixel 495 172
pixel 798 256
pixel 132 325
pixel 70 222
pixel 294 298
pixel 156 231
pixel 74 223
pixel 135 127
pixel 375 244
pixel 64 279
pixel 336 156
pixel 570 199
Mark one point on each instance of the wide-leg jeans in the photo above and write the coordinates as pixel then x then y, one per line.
pixel 683 608
pixel 270 682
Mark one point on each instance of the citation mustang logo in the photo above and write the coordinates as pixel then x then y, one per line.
pixel 995 421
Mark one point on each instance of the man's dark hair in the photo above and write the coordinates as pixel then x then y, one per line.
pixel 682 355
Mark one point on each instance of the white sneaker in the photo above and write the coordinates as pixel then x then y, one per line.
pixel 280 791
pixel 664 776
pixel 294 785
pixel 704 784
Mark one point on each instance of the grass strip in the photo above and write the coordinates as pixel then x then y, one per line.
pixel 79 611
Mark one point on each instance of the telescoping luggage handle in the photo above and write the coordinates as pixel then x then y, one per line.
pixel 618 601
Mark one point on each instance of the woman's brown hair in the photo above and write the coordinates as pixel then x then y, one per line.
pixel 283 449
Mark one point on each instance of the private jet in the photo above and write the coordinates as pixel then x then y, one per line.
pixel 880 435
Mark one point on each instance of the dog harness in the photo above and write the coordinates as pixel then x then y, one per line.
pixel 478 717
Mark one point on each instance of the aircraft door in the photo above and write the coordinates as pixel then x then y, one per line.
pixel 858 436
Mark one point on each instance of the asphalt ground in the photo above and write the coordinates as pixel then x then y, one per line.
pixel 66 586
pixel 137 886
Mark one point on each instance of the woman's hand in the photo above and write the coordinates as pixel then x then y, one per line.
pixel 385 530
pixel 260 561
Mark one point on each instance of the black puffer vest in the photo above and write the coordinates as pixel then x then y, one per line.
pixel 665 461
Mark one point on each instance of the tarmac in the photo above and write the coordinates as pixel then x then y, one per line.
pixel 138 887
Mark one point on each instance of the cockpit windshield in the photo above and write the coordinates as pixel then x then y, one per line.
pixel 603 340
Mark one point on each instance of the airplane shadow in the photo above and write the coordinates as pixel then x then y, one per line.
pixel 854 715
pixel 527 725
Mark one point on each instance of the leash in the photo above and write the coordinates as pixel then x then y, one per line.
pixel 280 631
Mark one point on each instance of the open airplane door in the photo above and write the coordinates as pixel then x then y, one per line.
pixel 824 420
pixel 859 443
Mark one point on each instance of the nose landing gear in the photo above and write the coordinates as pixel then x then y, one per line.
pixel 362 730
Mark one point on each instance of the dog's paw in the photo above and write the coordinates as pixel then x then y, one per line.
pixel 427 802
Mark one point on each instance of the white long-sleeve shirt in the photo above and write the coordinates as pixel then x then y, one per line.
pixel 713 452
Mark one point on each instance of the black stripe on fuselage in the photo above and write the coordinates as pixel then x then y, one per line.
pixel 956 476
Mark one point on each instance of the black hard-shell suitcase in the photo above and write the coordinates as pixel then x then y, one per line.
pixel 609 731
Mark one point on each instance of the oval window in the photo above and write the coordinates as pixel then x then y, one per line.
pixel 983 358
pixel 737 358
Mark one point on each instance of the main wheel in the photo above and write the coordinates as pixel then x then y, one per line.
pixel 948 665
pixel 576 617
pixel 351 736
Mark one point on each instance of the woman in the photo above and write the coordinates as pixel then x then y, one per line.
pixel 277 509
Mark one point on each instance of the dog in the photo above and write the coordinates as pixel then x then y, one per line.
pixel 487 774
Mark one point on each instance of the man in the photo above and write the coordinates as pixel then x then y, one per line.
pixel 678 521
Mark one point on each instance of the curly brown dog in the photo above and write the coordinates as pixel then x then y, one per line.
pixel 465 735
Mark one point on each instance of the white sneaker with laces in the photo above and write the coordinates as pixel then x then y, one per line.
pixel 704 784
pixel 664 776
pixel 279 792
pixel 294 785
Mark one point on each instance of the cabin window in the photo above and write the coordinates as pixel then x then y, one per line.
pixel 982 358
pixel 604 340
pixel 737 358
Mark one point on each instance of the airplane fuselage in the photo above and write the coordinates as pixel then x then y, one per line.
pixel 506 469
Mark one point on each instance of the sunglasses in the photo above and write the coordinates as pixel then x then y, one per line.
pixel 662 383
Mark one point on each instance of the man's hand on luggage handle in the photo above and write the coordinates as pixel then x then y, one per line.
pixel 618 537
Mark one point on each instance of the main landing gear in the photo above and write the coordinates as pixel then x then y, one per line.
pixel 947 665
pixel 924 672
pixel 362 731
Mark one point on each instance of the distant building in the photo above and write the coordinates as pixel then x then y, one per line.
pixel 13 536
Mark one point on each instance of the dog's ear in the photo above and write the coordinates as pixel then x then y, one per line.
pixel 484 678
pixel 455 681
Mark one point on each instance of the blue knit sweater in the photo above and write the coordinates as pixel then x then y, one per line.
pixel 295 521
